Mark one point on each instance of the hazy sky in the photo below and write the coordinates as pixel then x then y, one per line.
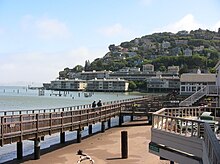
pixel 39 38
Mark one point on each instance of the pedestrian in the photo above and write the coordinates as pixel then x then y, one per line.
pixel 99 104
pixel 94 104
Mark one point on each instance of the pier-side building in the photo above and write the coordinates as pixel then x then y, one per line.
pixel 193 82
pixel 110 85
pixel 70 85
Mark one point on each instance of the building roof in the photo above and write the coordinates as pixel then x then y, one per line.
pixel 194 77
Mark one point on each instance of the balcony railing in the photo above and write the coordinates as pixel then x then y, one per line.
pixel 181 130
pixel 205 91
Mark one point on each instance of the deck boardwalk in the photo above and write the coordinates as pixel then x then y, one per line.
pixel 16 126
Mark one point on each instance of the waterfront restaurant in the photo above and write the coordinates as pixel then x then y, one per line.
pixel 193 82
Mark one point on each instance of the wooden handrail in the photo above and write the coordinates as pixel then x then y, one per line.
pixel 69 108
pixel 36 124
pixel 212 145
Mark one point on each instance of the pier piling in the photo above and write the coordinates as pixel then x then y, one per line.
pixel 79 135
pixel 109 123
pixel 37 148
pixel 90 129
pixel 19 150
pixel 62 137
pixel 103 127
pixel 124 144
pixel 121 120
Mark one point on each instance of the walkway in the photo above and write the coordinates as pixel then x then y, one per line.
pixel 105 148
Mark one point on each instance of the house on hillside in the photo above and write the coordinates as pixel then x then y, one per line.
pixel 148 68
pixel 198 49
pixel 173 69
pixel 187 52
pixel 166 44
pixel 175 51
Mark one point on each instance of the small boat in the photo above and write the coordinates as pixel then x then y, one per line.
pixel 87 94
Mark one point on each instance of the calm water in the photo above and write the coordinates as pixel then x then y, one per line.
pixel 21 98
pixel 18 98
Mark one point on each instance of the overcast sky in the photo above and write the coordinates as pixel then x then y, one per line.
pixel 39 38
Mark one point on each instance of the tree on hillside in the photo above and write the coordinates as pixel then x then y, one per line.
pixel 87 65
pixel 78 68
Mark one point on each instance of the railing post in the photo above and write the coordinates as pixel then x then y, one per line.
pixel 62 121
pixel 198 135
pixel 37 123
pixel 21 126
pixel 121 119
pixel 2 131
pixel 87 116
pixel 51 122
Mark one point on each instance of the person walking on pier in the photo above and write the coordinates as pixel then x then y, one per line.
pixel 99 104
pixel 93 104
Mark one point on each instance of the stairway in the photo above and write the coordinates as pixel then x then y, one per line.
pixel 189 101
pixel 209 90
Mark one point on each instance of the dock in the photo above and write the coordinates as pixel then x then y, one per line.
pixel 34 125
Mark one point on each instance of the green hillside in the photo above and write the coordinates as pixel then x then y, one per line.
pixel 189 50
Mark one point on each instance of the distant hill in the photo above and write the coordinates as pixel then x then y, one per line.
pixel 189 50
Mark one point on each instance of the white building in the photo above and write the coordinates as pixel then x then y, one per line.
pixel 125 69
pixel 70 85
pixel 148 68
pixel 88 75
pixel 110 85
pixel 192 82
pixel 163 83
pixel 134 69
pixel 173 69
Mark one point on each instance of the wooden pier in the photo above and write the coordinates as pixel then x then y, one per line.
pixel 16 126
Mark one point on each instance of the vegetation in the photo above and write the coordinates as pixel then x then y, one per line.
pixel 162 50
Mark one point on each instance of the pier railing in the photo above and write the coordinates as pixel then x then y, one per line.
pixel 62 109
pixel 212 145
pixel 182 131
pixel 16 126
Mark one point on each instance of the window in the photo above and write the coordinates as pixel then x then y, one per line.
pixel 183 88
pixel 194 88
